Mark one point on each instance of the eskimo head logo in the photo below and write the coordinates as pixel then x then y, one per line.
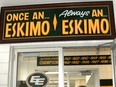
pixel 37 80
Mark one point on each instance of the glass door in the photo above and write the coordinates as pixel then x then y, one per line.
pixel 39 68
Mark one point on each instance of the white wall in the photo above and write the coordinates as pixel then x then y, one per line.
pixel 4 61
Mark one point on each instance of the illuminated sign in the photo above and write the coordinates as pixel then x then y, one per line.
pixel 37 80
pixel 67 21
pixel 75 60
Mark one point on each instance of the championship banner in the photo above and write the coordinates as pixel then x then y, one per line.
pixel 58 22
pixel 75 60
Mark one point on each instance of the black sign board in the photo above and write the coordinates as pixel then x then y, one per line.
pixel 75 60
pixel 57 22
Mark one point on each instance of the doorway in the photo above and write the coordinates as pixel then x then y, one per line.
pixel 50 61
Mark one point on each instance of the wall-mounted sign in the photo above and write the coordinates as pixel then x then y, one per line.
pixel 75 60
pixel 66 21
pixel 37 80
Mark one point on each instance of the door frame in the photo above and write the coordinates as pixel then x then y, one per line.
pixel 13 63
